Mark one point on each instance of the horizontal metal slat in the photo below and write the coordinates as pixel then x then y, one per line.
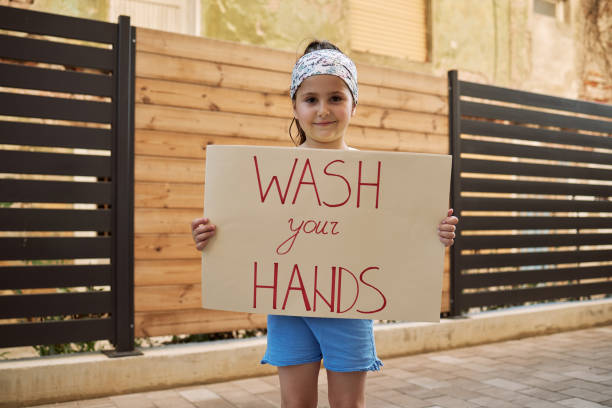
pixel 37 22
pixel 484 110
pixel 525 204
pixel 520 223
pixel 55 108
pixel 24 162
pixel 483 280
pixel 533 152
pixel 529 169
pixel 38 191
pixel 34 134
pixel 54 248
pixel 55 304
pixel 485 128
pixel 533 258
pixel 517 297
pixel 534 187
pixel 54 332
pixel 54 276
pixel 70 55
pixel 18 219
pixel 530 240
pixel 533 99
pixel 26 77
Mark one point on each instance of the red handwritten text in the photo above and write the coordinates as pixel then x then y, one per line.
pixel 307 227
pixel 333 300
pixel 308 181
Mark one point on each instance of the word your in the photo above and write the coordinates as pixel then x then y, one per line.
pixel 307 178
pixel 334 298
pixel 308 227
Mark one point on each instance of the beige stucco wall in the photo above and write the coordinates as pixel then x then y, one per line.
pixel 500 42
pixel 94 9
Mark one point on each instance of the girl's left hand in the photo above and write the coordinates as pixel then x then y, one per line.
pixel 446 229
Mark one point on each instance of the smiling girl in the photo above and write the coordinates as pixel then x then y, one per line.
pixel 324 94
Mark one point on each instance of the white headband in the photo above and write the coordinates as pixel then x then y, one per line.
pixel 325 62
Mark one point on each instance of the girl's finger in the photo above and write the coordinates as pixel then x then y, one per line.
pixel 444 234
pixel 204 236
pixel 198 221
pixel 204 228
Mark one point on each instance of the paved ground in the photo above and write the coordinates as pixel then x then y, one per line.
pixel 572 369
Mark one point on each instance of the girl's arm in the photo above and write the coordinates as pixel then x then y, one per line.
pixel 201 231
pixel 446 229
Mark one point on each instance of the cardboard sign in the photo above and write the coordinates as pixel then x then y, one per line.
pixel 328 233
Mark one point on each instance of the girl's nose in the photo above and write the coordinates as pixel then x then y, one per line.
pixel 323 109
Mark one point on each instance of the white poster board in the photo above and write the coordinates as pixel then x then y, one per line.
pixel 327 233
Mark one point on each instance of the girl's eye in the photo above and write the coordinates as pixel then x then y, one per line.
pixel 310 100
pixel 336 98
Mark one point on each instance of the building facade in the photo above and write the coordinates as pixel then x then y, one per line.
pixel 557 47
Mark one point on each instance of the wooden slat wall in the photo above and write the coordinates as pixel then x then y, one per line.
pixel 191 92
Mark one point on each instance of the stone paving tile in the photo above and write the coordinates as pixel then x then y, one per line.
pixel 399 373
pixel 429 383
pixel 400 399
pixel 450 402
pixel 217 403
pixel 543 394
pixel 254 385
pixel 542 404
pixel 374 402
pixel 132 401
pixel 199 394
pixel 579 403
pixel 172 402
pixel 585 394
pixel 459 392
pixel 492 403
pixel 506 384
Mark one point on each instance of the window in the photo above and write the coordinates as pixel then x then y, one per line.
pixel 552 8
pixel 396 28
pixel 178 16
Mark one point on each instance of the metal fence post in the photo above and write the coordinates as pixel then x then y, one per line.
pixel 123 202
pixel 454 133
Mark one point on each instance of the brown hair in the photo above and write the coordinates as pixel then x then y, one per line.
pixel 313 46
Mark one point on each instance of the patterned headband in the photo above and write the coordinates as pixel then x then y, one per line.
pixel 325 62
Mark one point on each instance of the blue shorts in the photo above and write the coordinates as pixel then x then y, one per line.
pixel 343 344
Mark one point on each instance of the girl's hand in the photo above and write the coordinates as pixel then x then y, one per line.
pixel 201 231
pixel 446 229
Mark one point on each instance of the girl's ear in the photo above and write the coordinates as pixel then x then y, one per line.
pixel 293 104
pixel 353 111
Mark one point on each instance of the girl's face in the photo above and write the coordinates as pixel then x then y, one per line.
pixel 324 106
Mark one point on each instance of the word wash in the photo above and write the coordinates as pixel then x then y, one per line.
pixel 307 178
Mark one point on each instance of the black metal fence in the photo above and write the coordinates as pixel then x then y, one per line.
pixel 532 182
pixel 66 180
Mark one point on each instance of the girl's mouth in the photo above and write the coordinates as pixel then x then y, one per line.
pixel 324 123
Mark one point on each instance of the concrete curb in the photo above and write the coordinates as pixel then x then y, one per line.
pixel 64 378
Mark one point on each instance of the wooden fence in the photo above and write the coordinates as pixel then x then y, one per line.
pixel 191 92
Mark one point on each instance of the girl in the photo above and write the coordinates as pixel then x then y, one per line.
pixel 324 94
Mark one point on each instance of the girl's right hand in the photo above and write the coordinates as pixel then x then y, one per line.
pixel 201 231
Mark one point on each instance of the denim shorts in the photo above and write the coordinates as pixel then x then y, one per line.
pixel 343 344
